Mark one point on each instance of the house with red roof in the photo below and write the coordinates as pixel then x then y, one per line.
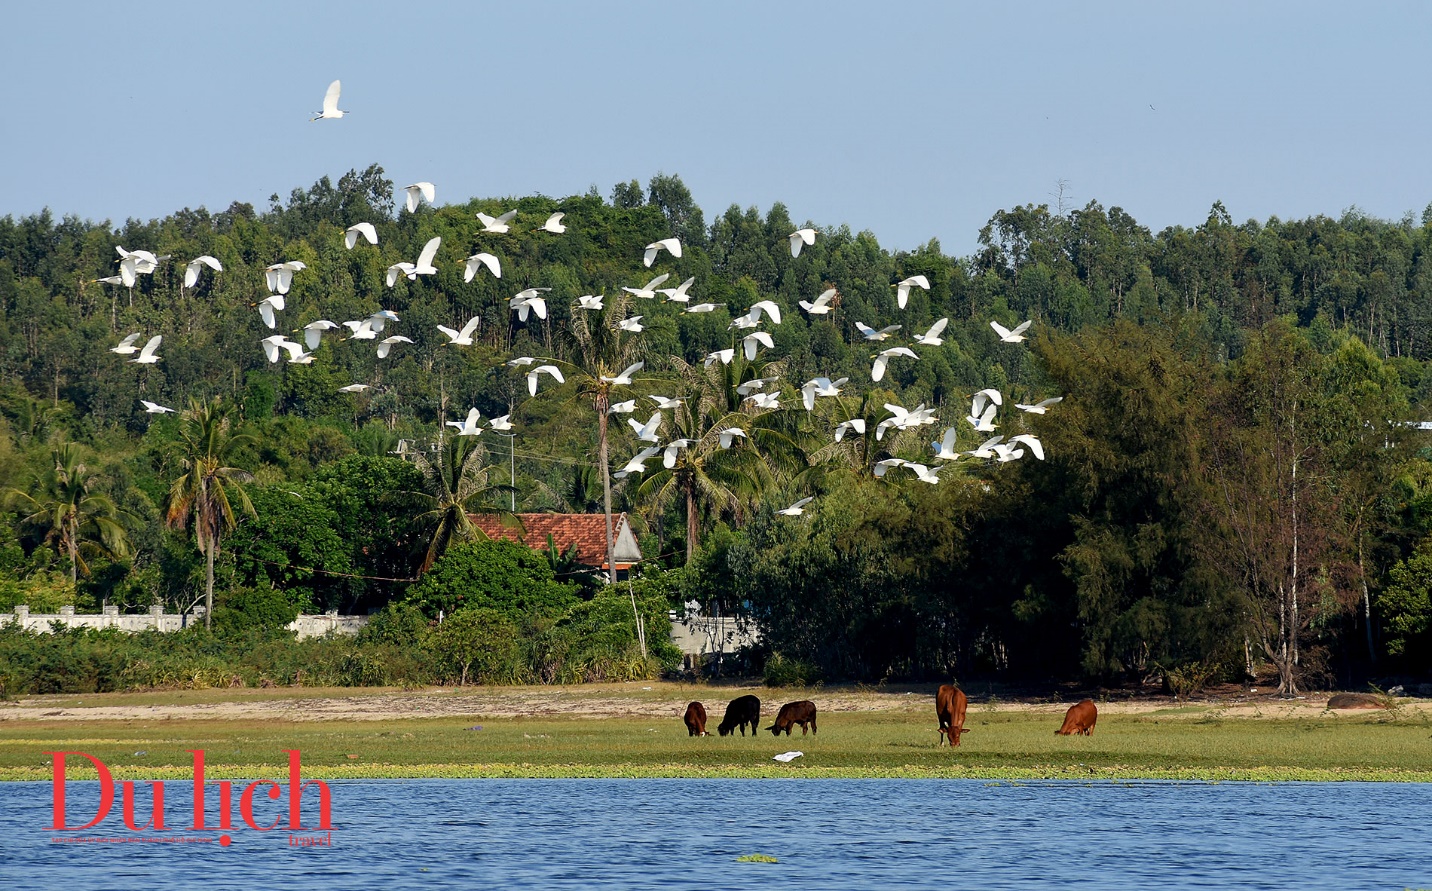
pixel 586 531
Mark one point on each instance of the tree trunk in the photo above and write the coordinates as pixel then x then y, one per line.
pixel 602 401
pixel 691 520
pixel 209 585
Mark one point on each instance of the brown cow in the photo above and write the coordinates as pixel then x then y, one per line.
pixel 802 713
pixel 1079 719
pixel 695 719
pixel 950 705
pixel 741 711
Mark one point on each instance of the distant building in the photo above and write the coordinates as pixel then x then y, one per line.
pixel 586 531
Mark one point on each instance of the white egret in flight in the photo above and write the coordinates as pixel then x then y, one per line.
pixel 902 288
pixel 648 291
pixel 672 245
pixel 624 379
pixel 873 335
pixel 468 426
pixel 553 224
pixel 350 235
pixel 590 301
pixel 126 347
pixel 800 238
pixel 279 276
pixel 313 332
pixel 330 104
pixel 632 324
pixel 154 408
pixel 496 225
pixel 463 337
pixel 679 292
pixel 191 272
pixel 820 305
pixel 638 463
pixel 1008 336
pixel 1039 408
pixel 529 299
pixel 646 432
pixel 932 336
pixel 855 424
pixel 877 371
pixel 420 190
pixel 386 344
pixel 479 260
pixel 796 509
pixel 543 369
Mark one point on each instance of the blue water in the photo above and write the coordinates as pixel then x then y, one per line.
pixel 827 834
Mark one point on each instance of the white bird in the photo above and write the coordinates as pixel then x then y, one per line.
pixel 590 301
pixel 146 356
pixel 501 425
pixel 799 238
pixel 154 408
pixel 855 424
pixel 667 403
pixel 420 190
pixel 362 330
pixel 820 305
pixel 877 371
pixel 678 293
pixel 945 449
pixel 111 280
pixel 646 432
pixel 553 224
pixel 770 308
pixel 126 347
pixel 764 400
pixel 135 263
pixel 330 104
pixel 519 362
pixel 932 337
pixel 1009 336
pixel 296 355
pixel 730 434
pixel 723 356
pixel 902 418
pixel 529 299
pixel 267 307
pixel 1035 446
pixel 496 225
pixel 1039 408
pixel 986 448
pixel 671 244
pixel 987 395
pixel 700 307
pixel 1007 452
pixel 638 463
pixel 796 509
pixel 885 466
pixel 424 266
pixel 632 324
pixel 983 423
pixel 787 757
pixel 622 408
pixel 668 457
pixel 925 474
pixel 279 276
pixel 755 384
pixel 463 337
pixel 191 272
pixel 313 332
pixel 275 344
pixel 820 386
pixel 350 235
pixel 353 388
pixel 468 426
pixel 902 288
pixel 648 291
pixel 741 322
pixel 386 344
pixel 873 335
pixel 543 369
pixel 624 379
pixel 751 340
pixel 479 260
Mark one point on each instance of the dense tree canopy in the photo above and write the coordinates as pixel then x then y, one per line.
pixel 1230 480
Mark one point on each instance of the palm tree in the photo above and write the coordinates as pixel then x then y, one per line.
pixel 705 474
pixel 75 520
pixel 457 483
pixel 203 492
pixel 601 351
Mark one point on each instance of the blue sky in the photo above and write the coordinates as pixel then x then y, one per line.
pixel 913 120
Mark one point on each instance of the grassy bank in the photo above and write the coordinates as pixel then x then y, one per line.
pixel 887 739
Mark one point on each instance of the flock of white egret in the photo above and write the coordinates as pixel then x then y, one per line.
pixel 279 278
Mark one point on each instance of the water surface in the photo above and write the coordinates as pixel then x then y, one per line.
pixel 859 834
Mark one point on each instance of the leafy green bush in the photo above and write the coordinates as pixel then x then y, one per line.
pixel 783 672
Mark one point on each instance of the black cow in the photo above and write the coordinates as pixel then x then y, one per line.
pixel 741 711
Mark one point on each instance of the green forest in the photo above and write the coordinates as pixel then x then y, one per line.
pixel 1233 482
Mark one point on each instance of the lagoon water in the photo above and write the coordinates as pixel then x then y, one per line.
pixel 827 834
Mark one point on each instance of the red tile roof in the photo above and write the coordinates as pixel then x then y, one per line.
pixel 584 530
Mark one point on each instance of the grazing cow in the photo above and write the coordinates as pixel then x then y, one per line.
pixel 1079 719
pixel 950 705
pixel 695 719
pixel 802 713
pixel 741 711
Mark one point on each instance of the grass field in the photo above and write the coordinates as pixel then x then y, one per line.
pixel 891 737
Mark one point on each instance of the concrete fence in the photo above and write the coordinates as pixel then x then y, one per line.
pixel 158 620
